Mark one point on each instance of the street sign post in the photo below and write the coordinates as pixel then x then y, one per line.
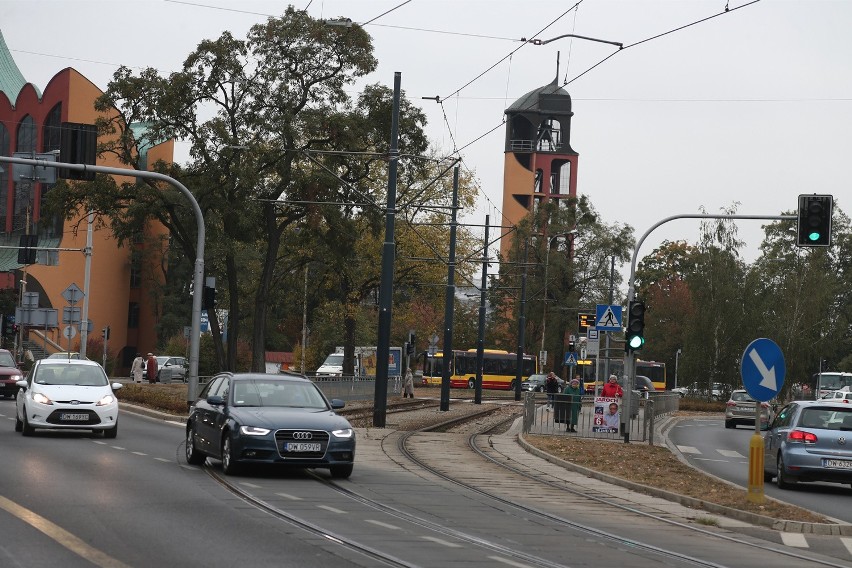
pixel 608 318
pixel 762 368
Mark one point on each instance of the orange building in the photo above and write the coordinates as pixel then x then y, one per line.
pixel 119 295
pixel 540 165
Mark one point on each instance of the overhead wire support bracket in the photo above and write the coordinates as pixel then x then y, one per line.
pixel 546 41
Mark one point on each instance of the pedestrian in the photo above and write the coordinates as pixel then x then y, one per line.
pixel 151 368
pixel 137 368
pixel 408 385
pixel 612 389
pixel 551 387
pixel 575 401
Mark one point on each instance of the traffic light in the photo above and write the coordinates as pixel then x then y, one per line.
pixel 409 346
pixel 814 220
pixel 572 347
pixel 106 333
pixel 635 336
pixel 26 249
pixel 208 298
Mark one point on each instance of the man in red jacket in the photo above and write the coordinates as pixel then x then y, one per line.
pixel 612 389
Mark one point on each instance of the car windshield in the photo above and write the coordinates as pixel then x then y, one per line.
pixel 6 360
pixel 290 394
pixel 87 376
pixel 334 360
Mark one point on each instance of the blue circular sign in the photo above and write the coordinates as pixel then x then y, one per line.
pixel 763 369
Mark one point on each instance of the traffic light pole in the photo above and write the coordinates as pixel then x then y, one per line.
pixel 629 357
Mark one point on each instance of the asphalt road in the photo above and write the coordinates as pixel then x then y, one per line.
pixel 710 447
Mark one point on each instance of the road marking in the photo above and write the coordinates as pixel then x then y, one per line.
pixel 509 562
pixel 688 450
pixel 731 454
pixel 709 460
pixel 442 541
pixel 794 539
pixel 117 448
pixel 61 536
pixel 332 509
pixel 252 485
pixel 163 460
pixel 101 443
pixel 381 524
pixel 288 496
pixel 847 542
pixel 140 453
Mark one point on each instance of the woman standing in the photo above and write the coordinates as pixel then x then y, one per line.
pixel 575 401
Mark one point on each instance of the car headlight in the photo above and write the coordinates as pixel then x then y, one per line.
pixel 105 400
pixel 344 433
pixel 41 398
pixel 253 431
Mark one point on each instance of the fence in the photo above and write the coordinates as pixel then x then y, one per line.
pixel 548 420
pixel 354 388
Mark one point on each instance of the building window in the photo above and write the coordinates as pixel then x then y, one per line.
pixel 135 269
pixel 133 315
pixel 22 206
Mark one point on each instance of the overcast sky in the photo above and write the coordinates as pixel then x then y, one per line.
pixel 753 106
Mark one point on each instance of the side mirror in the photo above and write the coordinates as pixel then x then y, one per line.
pixel 215 400
pixel 337 404
pixel 21 384
pixel 116 386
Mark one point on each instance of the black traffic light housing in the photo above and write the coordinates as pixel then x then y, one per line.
pixel 106 333
pixel 410 344
pixel 208 298
pixel 26 249
pixel 635 336
pixel 813 227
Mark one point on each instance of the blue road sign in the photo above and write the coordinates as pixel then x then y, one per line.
pixel 570 358
pixel 763 369
pixel 608 318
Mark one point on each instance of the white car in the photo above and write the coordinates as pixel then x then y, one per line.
pixel 67 394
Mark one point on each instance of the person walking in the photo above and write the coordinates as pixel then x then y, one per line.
pixel 575 400
pixel 138 368
pixel 551 387
pixel 151 368
pixel 612 389
pixel 408 385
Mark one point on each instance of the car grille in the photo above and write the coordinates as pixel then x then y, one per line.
pixel 284 437
pixel 56 417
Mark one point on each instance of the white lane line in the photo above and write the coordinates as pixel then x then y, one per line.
pixel 381 524
pixel 252 485
pixel 709 460
pixel 117 448
pixel 442 541
pixel 688 450
pixel 731 454
pixel 288 496
pixel 140 453
pixel 332 509
pixel 794 539
pixel 163 460
pixel 847 542
pixel 101 443
pixel 509 562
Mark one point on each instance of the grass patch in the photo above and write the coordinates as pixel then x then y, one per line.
pixel 165 398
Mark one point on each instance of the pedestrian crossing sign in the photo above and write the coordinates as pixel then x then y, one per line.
pixel 570 358
pixel 608 318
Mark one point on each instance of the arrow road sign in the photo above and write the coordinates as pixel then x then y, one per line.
pixel 763 369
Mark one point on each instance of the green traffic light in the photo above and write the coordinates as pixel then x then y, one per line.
pixel 636 342
pixel 814 236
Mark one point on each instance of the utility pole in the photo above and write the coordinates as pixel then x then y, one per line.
pixel 522 323
pixel 450 297
pixel 480 344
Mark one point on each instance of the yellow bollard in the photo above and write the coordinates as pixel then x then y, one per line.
pixel 755 468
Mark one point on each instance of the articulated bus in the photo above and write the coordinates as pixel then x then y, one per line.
pixel 499 369
pixel 654 371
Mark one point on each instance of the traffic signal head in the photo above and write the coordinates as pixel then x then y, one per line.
pixel 814 220
pixel 208 298
pixel 635 336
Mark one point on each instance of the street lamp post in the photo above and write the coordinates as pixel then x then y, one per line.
pixel 570 233
pixel 677 356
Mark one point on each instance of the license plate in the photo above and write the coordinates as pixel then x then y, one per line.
pixel 74 417
pixel 302 447
pixel 842 464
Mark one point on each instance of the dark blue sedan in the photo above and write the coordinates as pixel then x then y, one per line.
pixel 254 418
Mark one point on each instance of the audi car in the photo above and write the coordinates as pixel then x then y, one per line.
pixel 255 418
pixel 809 440
pixel 67 394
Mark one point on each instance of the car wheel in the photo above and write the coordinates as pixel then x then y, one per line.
pixel 193 456
pixel 730 424
pixel 18 424
pixel 111 432
pixel 26 429
pixel 471 383
pixel 341 471
pixel 782 480
pixel 229 467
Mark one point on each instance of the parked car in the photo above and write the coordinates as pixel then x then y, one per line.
pixel 809 440
pixel 740 409
pixel 536 383
pixel 842 395
pixel 10 374
pixel 644 385
pixel 255 418
pixel 171 369
pixel 67 394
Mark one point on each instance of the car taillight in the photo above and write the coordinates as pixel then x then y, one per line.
pixel 802 436
pixel 730 403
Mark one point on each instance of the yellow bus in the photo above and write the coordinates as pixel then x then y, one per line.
pixel 654 371
pixel 499 369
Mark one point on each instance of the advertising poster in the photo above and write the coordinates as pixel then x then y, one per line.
pixel 607 415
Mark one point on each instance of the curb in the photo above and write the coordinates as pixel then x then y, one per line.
pixel 838 529
pixel 151 413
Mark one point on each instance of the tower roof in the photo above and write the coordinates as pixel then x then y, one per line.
pixel 11 78
pixel 550 99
